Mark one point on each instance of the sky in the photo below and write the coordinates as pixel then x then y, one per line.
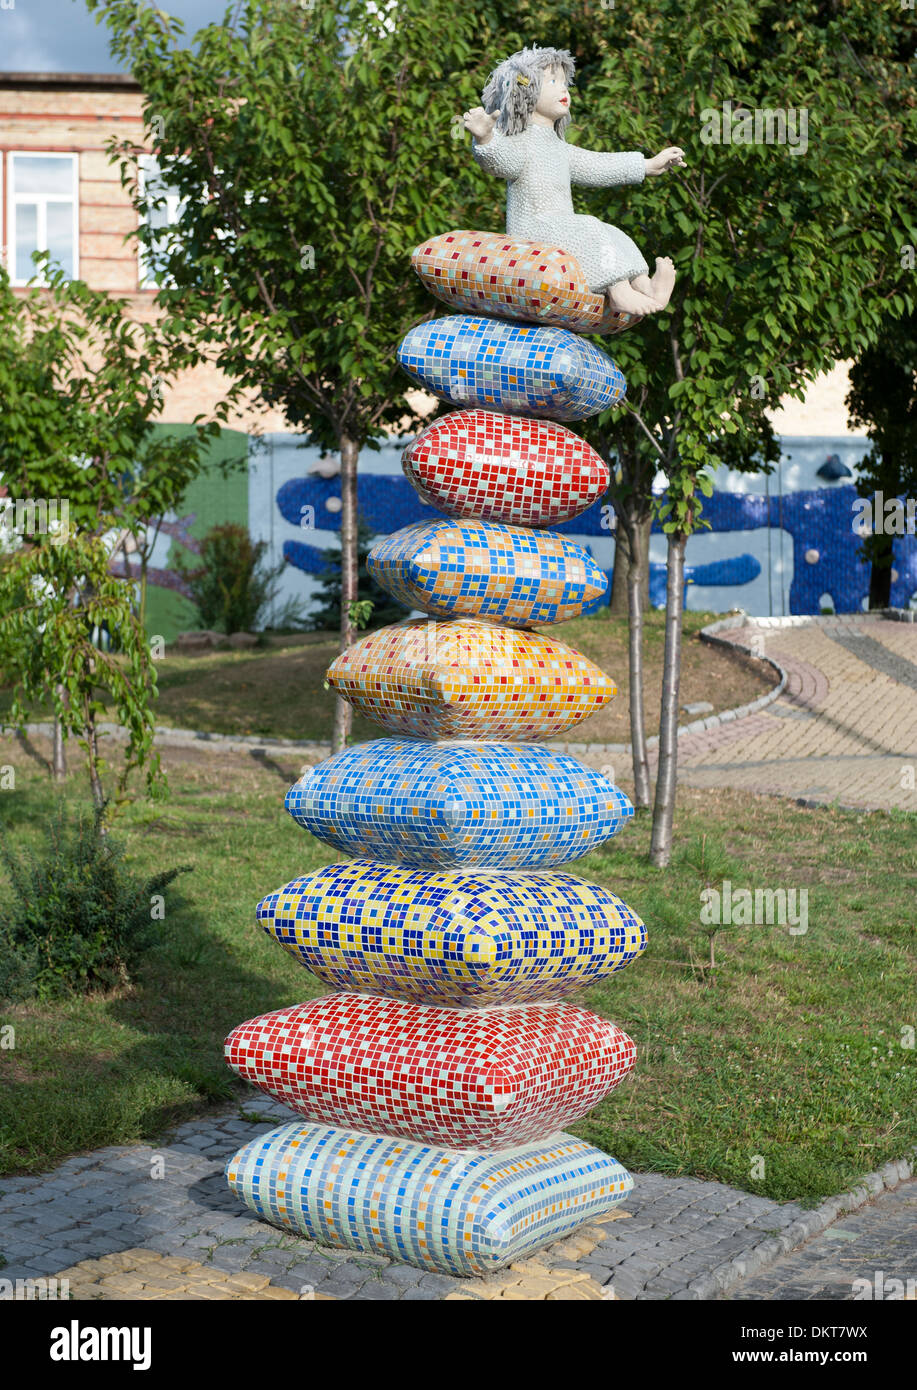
pixel 62 36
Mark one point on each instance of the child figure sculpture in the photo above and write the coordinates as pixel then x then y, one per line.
pixel 519 136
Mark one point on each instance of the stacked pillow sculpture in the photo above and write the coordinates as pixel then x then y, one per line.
pixel 431 1087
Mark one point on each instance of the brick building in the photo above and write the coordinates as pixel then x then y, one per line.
pixel 59 191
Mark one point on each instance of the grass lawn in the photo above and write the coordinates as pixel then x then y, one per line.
pixel 791 1048
pixel 277 690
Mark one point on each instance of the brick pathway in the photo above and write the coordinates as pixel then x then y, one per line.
pixel 103 1220
pixel 875 1246
pixel 844 729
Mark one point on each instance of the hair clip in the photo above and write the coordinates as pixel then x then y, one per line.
pixel 523 81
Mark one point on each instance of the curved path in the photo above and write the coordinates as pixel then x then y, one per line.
pixel 844 729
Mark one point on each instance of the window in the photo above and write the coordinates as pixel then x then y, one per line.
pixel 163 210
pixel 43 212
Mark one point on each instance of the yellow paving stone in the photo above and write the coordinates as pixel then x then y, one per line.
pixel 127 1283
pixel 614 1216
pixel 276 1293
pixel 538 1288
pixel 249 1281
pixel 572 1293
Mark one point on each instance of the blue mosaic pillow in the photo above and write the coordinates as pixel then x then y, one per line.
pixel 513 367
pixel 480 569
pixel 466 1212
pixel 497 805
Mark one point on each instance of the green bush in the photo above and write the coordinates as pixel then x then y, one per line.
pixel 74 918
pixel 232 587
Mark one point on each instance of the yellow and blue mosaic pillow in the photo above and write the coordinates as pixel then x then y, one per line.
pixel 464 937
pixel 497 365
pixel 494 805
pixel 463 1212
pixel 464 679
pixel 480 569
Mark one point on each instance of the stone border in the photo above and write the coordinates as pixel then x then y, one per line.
pixel 727 1275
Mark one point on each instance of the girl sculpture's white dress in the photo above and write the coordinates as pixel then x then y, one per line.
pixel 519 136
pixel 539 168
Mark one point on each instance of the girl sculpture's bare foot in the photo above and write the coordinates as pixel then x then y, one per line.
pixel 628 299
pixel 663 282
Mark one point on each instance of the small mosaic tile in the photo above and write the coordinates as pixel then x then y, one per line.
pixel 469 680
pixel 493 467
pixel 481 569
pixel 508 366
pixel 469 937
pixel 458 1077
pixel 490 273
pixel 444 805
pixel 458 1212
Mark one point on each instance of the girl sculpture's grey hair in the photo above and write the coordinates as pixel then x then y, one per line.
pixel 512 90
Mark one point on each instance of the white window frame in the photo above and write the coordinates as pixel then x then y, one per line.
pixel 145 278
pixel 13 199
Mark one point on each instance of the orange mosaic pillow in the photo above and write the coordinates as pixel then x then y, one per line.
pixel 490 273
pixel 468 679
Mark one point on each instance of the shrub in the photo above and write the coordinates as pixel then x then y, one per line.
pixel 232 587
pixel 74 918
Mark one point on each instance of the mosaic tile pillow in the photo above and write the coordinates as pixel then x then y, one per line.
pixel 480 569
pixel 478 463
pixel 466 679
pixel 466 1213
pixel 494 805
pixel 508 366
pixel 489 273
pixel 458 1077
pixel 464 937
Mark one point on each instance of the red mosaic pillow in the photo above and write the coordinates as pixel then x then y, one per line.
pixel 457 1077
pixel 505 468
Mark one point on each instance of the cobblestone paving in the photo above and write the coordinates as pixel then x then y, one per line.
pixel 678 1235
pixel 876 1245
pixel 845 728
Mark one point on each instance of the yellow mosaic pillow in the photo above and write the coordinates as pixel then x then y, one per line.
pixel 468 679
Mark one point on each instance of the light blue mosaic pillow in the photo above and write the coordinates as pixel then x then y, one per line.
pixel 499 805
pixel 512 367
pixel 455 568
pixel 458 1212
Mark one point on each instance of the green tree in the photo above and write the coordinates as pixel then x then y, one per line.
pixel 232 587
pixel 786 237
pixel 84 469
pixel 311 148
pixel 883 401
pixel 52 598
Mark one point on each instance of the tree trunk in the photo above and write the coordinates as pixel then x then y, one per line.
pixel 619 603
pixel 667 773
pixel 92 759
pixel 880 571
pixel 58 753
pixel 637 570
pixel 343 713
